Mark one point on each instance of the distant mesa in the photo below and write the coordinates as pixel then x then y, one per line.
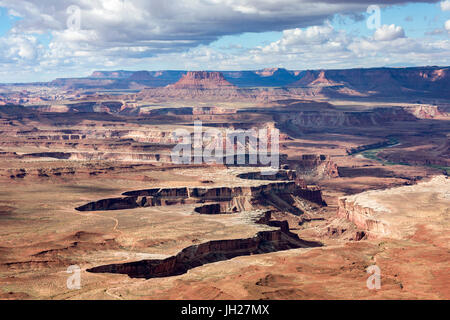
pixel 141 75
pixel 316 78
pixel 274 72
pixel 120 74
pixel 267 84
pixel 381 82
pixel 202 80
pixel 269 77
pixel 267 72
pixel 433 81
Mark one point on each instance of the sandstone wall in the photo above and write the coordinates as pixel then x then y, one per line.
pixel 365 218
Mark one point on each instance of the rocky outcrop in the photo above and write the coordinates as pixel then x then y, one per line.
pixel 209 252
pixel 100 106
pixel 97 132
pixel 212 111
pixel 312 194
pixel 9 155
pixel 218 193
pixel 214 208
pixel 313 79
pixel 226 199
pixel 381 144
pixel 67 172
pixel 427 112
pixel 288 175
pixel 337 119
pixel 199 80
pixel 172 196
pixel 90 156
pixel 387 82
pixel 398 212
pixel 314 165
pixel 132 202
pixel 110 204
pixel 56 155
pixel 364 217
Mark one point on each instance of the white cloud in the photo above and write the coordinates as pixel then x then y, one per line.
pixel 340 50
pixel 314 34
pixel 301 39
pixel 388 33
pixel 153 34
pixel 176 25
pixel 445 5
pixel 447 25
pixel 19 49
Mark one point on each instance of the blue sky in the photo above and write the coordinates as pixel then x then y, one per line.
pixel 417 19
pixel 6 21
pixel 38 44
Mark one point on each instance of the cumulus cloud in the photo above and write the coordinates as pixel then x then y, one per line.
pixel 388 33
pixel 330 48
pixel 296 40
pixel 445 5
pixel 19 48
pixel 324 47
pixel 124 32
pixel 163 26
pixel 292 38
pixel 447 25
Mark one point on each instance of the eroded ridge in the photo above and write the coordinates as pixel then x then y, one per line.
pixel 230 199
pixel 211 251
pixel 396 212
pixel 279 195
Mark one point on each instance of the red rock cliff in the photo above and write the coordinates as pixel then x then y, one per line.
pixel 201 80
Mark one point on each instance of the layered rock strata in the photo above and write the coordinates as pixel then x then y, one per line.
pixel 211 251
pixel 184 195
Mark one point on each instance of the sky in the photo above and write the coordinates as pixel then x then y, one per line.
pixel 41 40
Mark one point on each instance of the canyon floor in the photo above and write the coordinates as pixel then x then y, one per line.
pixel 359 184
